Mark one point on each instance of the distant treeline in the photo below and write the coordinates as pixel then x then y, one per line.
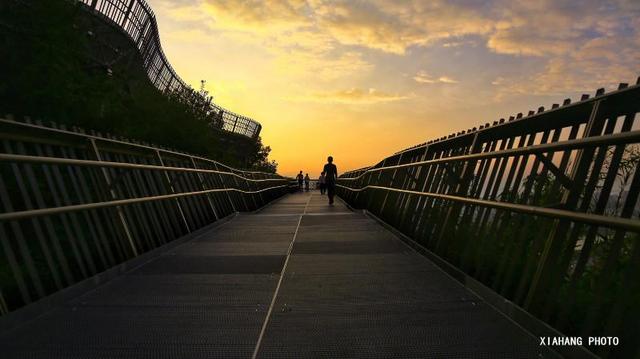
pixel 61 64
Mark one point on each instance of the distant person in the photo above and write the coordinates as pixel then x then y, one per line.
pixel 300 178
pixel 331 177
pixel 306 182
pixel 321 183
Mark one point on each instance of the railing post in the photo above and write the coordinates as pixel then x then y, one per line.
pixel 551 252
pixel 128 12
pixel 463 184
pixel 421 203
pixel 95 187
pixel 233 206
pixel 235 122
pixel 173 191
pixel 114 196
pixel 213 208
pixel 390 184
pixel 141 36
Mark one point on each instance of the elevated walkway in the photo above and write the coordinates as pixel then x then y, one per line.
pixel 298 279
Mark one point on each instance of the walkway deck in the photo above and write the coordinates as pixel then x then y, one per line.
pixel 349 289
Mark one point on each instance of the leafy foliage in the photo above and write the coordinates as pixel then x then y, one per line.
pixel 65 65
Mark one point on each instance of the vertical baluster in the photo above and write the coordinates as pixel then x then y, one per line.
pixel 204 188
pixel 170 186
pixel 547 264
pixel 120 211
pixel 35 222
pixel 61 258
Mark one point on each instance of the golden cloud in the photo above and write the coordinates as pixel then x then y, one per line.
pixel 515 27
pixel 321 67
pixel 597 63
pixel 261 16
pixel 551 28
pixel 575 46
pixel 393 27
pixel 424 78
pixel 356 96
pixel 382 24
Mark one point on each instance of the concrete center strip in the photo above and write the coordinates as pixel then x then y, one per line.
pixel 309 214
pixel 275 293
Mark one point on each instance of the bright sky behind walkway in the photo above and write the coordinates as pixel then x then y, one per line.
pixel 362 79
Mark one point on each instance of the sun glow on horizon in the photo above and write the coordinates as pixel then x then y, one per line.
pixel 361 80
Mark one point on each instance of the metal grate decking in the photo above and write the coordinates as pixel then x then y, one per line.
pixel 349 289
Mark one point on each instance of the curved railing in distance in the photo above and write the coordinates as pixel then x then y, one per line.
pixel 74 204
pixel 541 209
pixel 136 19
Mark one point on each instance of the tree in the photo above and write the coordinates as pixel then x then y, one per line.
pixel 260 161
pixel 68 66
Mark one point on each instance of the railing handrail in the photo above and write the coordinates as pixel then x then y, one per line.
pixel 608 221
pixel 542 210
pixel 108 199
pixel 121 142
pixel 585 100
pixel 488 127
pixel 91 163
pixel 145 35
pixel 613 139
pixel 17 215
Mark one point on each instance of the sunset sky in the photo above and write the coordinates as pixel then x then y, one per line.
pixel 362 79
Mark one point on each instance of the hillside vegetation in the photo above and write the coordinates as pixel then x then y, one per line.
pixel 61 64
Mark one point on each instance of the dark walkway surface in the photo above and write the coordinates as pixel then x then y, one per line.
pixel 349 289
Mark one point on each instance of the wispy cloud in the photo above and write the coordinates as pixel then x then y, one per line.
pixel 393 27
pixel 312 36
pixel 344 60
pixel 320 67
pixel 261 16
pixel 424 78
pixel 356 96
pixel 454 44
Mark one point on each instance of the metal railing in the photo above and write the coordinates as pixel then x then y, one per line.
pixel 543 209
pixel 74 204
pixel 136 19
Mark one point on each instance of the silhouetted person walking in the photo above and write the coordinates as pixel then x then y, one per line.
pixel 322 183
pixel 306 182
pixel 300 177
pixel 331 177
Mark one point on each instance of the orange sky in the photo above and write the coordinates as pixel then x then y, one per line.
pixel 360 80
